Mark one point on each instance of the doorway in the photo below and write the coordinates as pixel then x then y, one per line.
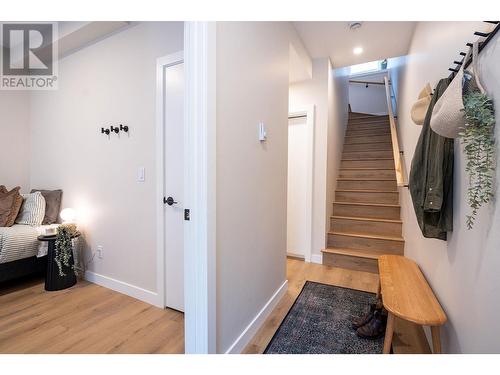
pixel 171 81
pixel 300 183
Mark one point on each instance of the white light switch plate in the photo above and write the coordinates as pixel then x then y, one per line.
pixel 141 174
pixel 262 132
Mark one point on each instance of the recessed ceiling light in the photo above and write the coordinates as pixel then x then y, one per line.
pixel 358 50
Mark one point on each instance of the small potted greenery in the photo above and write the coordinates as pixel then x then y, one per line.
pixel 479 144
pixel 64 248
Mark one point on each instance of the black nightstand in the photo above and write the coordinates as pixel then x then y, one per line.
pixel 53 281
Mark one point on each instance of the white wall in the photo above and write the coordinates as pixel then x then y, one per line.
pixel 328 93
pixel 14 139
pixel 369 99
pixel 110 82
pixel 463 271
pixel 300 67
pixel 252 86
pixel 338 105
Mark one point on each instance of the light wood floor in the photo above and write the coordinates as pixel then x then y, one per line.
pixel 408 337
pixel 91 319
pixel 86 318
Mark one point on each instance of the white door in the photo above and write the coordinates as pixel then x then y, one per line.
pixel 298 138
pixel 174 185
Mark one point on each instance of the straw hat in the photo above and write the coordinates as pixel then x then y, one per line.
pixel 419 109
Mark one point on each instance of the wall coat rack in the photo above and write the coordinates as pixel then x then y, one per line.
pixel 115 129
pixel 482 44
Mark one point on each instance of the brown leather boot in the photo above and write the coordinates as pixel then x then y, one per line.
pixel 375 328
pixel 365 318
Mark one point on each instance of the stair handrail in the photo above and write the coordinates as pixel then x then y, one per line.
pixel 398 154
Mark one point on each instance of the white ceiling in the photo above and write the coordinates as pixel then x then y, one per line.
pixel 335 40
pixel 72 36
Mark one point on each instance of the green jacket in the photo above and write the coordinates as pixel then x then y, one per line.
pixel 431 176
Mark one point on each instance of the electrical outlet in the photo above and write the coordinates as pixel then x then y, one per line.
pixel 100 252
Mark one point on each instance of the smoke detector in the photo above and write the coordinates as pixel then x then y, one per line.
pixel 355 25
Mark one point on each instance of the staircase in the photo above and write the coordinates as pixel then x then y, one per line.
pixel 366 213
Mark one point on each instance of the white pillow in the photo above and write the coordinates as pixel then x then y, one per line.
pixel 32 211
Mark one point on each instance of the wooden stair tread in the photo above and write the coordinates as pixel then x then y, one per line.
pixel 366 159
pixel 366 191
pixel 370 134
pixel 369 236
pixel 365 179
pixel 359 253
pixel 368 204
pixel 367 168
pixel 366 219
pixel 369 143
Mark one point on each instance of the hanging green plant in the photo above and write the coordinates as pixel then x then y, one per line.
pixel 479 144
pixel 64 247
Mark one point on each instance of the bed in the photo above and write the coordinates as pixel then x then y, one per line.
pixel 20 251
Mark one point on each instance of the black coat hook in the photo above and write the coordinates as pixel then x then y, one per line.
pixel 478 33
pixel 113 129
pixel 104 131
pixel 124 128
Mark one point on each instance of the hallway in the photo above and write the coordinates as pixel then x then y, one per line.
pixel 408 338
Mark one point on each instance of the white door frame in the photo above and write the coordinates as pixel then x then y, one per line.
pixel 199 187
pixel 308 112
pixel 161 64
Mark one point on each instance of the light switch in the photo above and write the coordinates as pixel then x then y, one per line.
pixel 141 174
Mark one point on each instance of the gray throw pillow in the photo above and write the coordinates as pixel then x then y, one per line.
pixel 52 205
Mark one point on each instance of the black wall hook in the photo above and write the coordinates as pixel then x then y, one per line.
pixel 478 33
pixel 104 131
pixel 114 129
pixel 124 128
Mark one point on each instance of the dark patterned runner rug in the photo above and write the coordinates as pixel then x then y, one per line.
pixel 319 322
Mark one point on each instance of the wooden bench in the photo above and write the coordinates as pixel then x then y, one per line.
pixel 406 294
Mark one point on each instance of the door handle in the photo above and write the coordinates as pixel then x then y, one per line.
pixel 170 201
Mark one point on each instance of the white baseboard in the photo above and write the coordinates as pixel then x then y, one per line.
pixel 250 331
pixel 317 258
pixel 124 288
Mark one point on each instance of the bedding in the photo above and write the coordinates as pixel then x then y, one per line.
pixel 20 241
pixel 10 203
pixel 32 211
pixel 52 204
